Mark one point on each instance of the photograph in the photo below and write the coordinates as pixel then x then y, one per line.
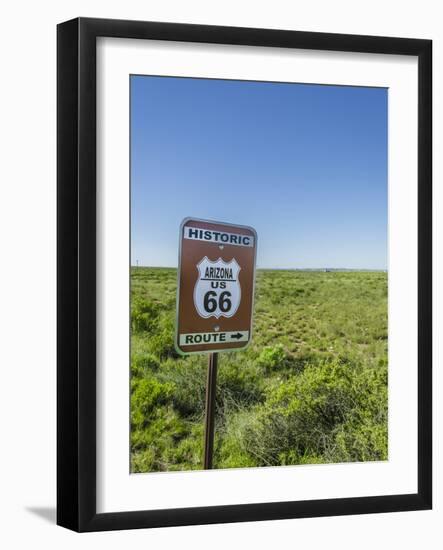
pixel 258 241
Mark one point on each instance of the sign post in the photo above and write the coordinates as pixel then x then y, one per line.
pixel 214 298
pixel 211 385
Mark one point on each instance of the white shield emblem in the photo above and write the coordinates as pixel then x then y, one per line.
pixel 217 292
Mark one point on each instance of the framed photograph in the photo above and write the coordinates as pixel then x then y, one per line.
pixel 244 274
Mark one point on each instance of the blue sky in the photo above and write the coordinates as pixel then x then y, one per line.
pixel 305 165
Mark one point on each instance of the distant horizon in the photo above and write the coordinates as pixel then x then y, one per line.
pixel 280 268
pixel 304 164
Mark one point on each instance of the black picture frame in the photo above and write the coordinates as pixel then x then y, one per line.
pixel 76 265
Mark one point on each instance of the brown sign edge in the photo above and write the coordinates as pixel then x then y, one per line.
pixel 180 238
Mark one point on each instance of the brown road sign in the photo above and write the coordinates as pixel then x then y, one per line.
pixel 215 286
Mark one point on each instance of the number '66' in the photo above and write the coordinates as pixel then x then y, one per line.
pixel 210 301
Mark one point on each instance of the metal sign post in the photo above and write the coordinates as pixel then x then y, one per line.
pixel 211 388
pixel 215 295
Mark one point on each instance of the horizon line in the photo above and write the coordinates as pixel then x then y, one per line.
pixel 322 268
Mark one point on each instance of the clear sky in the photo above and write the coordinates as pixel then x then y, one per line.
pixel 305 165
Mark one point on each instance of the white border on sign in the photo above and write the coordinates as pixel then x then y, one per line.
pixel 117 489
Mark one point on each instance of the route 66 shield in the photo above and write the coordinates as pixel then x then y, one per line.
pixel 217 292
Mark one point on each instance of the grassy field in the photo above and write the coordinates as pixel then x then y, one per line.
pixel 311 387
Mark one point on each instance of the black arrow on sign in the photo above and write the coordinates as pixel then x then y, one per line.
pixel 236 336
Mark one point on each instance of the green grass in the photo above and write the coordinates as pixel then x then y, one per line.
pixel 311 387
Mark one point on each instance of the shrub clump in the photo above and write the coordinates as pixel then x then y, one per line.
pixel 327 413
pixel 144 315
pixel 272 357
